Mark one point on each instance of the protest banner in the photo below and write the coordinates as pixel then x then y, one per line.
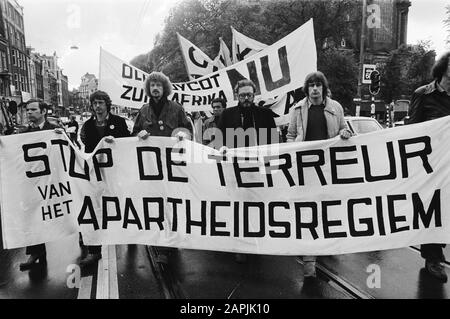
pixel 244 47
pixel 382 190
pixel 197 63
pixel 276 70
pixel 224 55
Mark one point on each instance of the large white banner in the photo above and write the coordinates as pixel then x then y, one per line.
pixel 382 190
pixel 277 70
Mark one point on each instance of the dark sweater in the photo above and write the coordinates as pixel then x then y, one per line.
pixel 316 129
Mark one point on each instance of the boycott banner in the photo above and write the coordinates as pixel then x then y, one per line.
pixel 376 191
pixel 276 70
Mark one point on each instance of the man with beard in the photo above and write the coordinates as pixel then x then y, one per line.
pixel 246 125
pixel 160 117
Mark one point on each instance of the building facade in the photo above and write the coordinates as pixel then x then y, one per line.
pixel 89 84
pixel 12 14
pixel 5 70
pixel 385 30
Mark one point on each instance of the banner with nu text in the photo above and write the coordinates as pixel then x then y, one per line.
pixel 377 191
pixel 276 70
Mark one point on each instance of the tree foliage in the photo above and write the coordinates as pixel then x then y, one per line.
pixel 341 71
pixel 406 69
pixel 204 21
pixel 447 23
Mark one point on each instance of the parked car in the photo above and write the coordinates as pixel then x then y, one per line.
pixel 404 121
pixel 361 125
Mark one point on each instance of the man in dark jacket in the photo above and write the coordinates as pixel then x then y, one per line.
pixel 36 113
pixel 102 124
pixel 161 117
pixel 430 102
pixel 247 124
pixel 210 126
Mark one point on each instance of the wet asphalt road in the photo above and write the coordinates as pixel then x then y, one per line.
pixel 128 272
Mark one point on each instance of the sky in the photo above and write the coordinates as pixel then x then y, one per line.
pixel 425 22
pixel 127 28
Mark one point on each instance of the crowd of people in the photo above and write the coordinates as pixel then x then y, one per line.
pixel 316 117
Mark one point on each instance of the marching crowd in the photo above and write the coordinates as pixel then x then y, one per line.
pixel 316 117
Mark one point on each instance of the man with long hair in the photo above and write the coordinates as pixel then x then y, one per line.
pixel 102 124
pixel 160 117
pixel 430 102
pixel 316 117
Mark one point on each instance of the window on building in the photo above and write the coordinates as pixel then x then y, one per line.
pixel 4 65
pixel 13 57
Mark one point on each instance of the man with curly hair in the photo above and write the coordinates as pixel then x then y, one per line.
pixel 160 117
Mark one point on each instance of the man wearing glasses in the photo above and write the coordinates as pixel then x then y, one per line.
pixel 316 117
pixel 247 124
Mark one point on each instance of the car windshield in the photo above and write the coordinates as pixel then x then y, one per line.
pixel 365 126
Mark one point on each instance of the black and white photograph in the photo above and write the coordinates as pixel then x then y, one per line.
pixel 218 157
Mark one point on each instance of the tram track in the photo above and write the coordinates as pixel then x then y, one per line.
pixel 169 285
pixel 173 290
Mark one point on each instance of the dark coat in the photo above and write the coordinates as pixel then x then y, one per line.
pixel 249 117
pixel 172 116
pixel 428 103
pixel 115 126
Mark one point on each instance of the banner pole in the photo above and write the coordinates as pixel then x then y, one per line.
pixel 184 57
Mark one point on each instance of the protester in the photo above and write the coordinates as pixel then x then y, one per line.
pixel 430 102
pixel 257 122
pixel 218 105
pixel 246 125
pixel 316 117
pixel 161 117
pixel 105 125
pixel 36 114
pixel 74 133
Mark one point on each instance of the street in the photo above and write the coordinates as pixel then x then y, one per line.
pixel 130 272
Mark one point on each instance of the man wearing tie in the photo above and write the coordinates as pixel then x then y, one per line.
pixel 37 121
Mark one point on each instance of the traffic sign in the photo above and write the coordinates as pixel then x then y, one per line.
pixel 367 70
